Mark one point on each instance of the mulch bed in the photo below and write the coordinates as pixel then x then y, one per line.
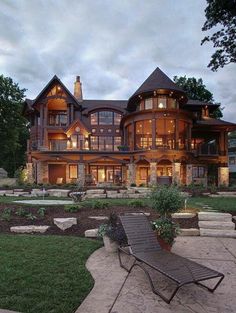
pixel 83 220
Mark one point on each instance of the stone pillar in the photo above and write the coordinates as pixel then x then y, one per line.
pixel 131 175
pixel 81 174
pixel 153 173
pixel 176 179
pixel 189 174
pixel 29 173
pixel 42 172
pixel 223 176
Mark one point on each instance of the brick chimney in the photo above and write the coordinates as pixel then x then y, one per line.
pixel 78 89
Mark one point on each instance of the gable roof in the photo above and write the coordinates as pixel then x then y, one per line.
pixel 89 105
pixel 209 121
pixel 157 80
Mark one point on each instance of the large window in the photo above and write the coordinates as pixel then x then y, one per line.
pixel 198 172
pixel 162 103
pixel 107 173
pixel 143 132
pixel 183 135
pixel 148 104
pixel 73 171
pixel 105 143
pixel 77 142
pixel 165 133
pixel 105 118
pixel 57 118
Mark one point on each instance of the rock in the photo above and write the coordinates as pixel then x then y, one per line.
pixel 234 218
pixel 216 225
pixel 123 191
pixel 135 196
pixel 20 193
pixel 99 218
pixel 91 233
pixel 189 232
pixel 111 192
pixel 96 191
pixel 3 173
pixel 11 195
pixel 58 192
pixel 39 193
pixel 183 215
pixel 140 213
pixel 217 233
pixel 29 229
pixel 18 190
pixel 116 196
pixel 185 194
pixel 65 223
pixel 206 194
pixel 96 196
pixel 226 193
pixel 211 216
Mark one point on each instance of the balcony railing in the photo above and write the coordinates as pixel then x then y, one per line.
pixel 206 149
pixel 57 145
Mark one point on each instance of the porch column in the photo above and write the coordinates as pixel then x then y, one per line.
pixel 176 179
pixel 189 174
pixel 81 174
pixel 42 172
pixel 223 176
pixel 153 173
pixel 131 175
pixel 29 173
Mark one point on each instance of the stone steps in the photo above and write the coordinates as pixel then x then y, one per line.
pixel 212 224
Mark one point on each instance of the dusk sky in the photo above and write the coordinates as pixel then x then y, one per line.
pixel 113 45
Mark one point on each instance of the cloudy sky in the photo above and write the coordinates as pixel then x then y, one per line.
pixel 113 45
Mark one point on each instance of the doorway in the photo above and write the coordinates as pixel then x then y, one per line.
pixel 57 173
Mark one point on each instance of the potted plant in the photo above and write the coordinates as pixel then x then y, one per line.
pixel 112 233
pixel 166 200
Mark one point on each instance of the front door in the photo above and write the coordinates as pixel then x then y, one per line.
pixel 57 173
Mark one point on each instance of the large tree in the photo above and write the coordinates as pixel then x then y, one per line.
pixel 196 90
pixel 13 126
pixel 222 15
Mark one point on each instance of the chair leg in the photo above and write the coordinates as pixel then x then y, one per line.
pixel 154 290
pixel 120 261
pixel 208 288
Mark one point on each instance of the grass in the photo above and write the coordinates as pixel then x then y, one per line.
pixel 221 204
pixel 45 274
pixel 6 199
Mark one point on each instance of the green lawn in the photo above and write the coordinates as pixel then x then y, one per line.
pixel 221 204
pixel 44 274
pixel 6 199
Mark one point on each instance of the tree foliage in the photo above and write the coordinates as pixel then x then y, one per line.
pixel 196 90
pixel 221 12
pixel 13 126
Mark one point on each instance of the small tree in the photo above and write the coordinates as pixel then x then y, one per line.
pixel 166 200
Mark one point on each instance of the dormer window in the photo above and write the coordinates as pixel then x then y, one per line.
pixel 148 104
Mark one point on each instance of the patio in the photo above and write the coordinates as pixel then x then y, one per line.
pixel 117 292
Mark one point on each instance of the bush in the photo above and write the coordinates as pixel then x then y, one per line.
pixel 136 203
pixel 72 208
pixel 99 204
pixel 166 200
pixel 31 217
pixel 6 214
pixel 21 212
pixel 196 189
pixel 133 185
pixel 41 212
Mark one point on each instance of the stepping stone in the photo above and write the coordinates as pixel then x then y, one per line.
pixel 216 225
pixel 58 192
pixel 189 232
pixel 29 229
pixel 96 196
pixel 11 195
pixel 94 191
pixel 140 213
pixel 217 233
pixel 65 223
pixel 183 215
pixel 91 233
pixel 99 218
pixel 211 216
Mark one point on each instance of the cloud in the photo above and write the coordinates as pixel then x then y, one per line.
pixel 112 45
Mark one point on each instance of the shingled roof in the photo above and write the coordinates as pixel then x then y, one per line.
pixel 157 80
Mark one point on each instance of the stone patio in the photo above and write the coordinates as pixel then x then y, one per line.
pixel 116 292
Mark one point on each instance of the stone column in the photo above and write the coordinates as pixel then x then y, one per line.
pixel 131 175
pixel 29 173
pixel 223 176
pixel 189 174
pixel 153 173
pixel 42 172
pixel 176 179
pixel 81 174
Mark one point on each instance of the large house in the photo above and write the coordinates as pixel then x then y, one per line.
pixel 156 136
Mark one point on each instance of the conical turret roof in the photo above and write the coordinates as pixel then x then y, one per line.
pixel 157 80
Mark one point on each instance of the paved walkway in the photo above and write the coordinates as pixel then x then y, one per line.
pixel 117 292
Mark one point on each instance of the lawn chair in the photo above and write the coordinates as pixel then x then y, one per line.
pixel 145 249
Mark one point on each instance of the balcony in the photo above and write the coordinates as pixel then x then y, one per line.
pixel 207 149
pixel 57 145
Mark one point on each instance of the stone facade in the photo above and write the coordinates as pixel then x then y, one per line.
pixel 81 174
pixel 189 174
pixel 223 176
pixel 42 172
pixel 176 179
pixel 29 173
pixel 131 177
pixel 153 173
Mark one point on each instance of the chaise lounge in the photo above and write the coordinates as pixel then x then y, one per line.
pixel 145 249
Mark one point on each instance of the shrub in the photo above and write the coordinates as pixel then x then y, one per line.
pixel 6 214
pixel 136 203
pixel 166 229
pixel 142 185
pixel 21 212
pixel 31 217
pixel 72 208
pixel 99 204
pixel 133 185
pixel 196 189
pixel 41 212
pixel 166 200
